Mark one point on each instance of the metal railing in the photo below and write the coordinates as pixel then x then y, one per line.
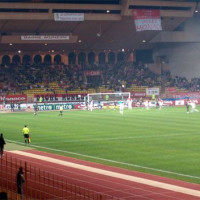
pixel 41 184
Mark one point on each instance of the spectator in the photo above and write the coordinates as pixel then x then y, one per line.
pixel 12 106
pixel 71 77
pixel 19 106
pixel 3 196
pixel 20 182
pixel 2 143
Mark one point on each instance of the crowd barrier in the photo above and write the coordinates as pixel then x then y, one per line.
pixel 40 184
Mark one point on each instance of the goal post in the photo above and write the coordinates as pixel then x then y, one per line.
pixel 107 98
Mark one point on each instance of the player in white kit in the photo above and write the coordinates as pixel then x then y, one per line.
pixel 160 102
pixel 91 105
pixel 146 104
pixel 129 101
pixel 193 107
pixel 121 107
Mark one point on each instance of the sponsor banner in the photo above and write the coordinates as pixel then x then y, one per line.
pixel 170 89
pixel 73 17
pixel 41 107
pixel 146 19
pixel 45 37
pixel 151 104
pixel 22 107
pixel 80 106
pixel 197 101
pixel 168 103
pixel 138 94
pixel 13 98
pixel 150 91
pixel 191 95
pixel 44 107
pixel 60 97
pixel 92 73
pixel 179 102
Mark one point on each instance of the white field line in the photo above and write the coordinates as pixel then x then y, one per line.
pixel 145 181
pixel 107 160
pixel 118 138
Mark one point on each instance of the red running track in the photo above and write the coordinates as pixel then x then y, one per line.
pixel 116 186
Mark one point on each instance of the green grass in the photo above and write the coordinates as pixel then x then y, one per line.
pixel 165 142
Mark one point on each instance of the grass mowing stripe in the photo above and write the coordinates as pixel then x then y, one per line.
pixel 102 134
pixel 112 161
pixel 120 138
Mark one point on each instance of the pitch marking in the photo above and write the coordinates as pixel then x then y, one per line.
pixel 145 181
pixel 112 161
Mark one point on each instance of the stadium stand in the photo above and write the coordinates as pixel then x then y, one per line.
pixel 103 52
pixel 60 79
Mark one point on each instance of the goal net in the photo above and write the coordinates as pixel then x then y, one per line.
pixel 107 99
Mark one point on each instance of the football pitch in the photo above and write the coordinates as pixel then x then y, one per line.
pixel 163 142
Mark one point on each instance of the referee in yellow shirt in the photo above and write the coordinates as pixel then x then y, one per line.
pixel 25 132
pixel 61 111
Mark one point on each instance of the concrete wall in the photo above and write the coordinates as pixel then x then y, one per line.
pixel 184 58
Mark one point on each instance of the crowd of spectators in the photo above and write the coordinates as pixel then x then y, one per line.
pixel 19 77
pixel 192 85
pixel 128 73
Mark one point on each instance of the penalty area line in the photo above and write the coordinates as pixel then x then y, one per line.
pixel 107 160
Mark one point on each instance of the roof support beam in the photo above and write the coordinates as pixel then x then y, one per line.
pixel 164 13
pixel 60 6
pixel 16 39
pixel 47 16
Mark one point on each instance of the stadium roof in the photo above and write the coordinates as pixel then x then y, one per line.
pixel 100 30
pixel 86 1
pixel 67 1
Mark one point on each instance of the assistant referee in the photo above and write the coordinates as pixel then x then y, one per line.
pixel 25 132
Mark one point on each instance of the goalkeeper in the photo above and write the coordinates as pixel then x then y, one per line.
pixel 26 134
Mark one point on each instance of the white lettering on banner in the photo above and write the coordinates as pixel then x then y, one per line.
pixel 150 91
pixel 147 20
pixel 179 102
pixel 45 37
pixel 65 107
pixel 16 99
pixel 191 95
pixel 7 107
pixel 60 97
pixel 13 98
pixel 139 94
pixel 92 73
pixel 146 26
pixel 168 103
pixel 69 16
